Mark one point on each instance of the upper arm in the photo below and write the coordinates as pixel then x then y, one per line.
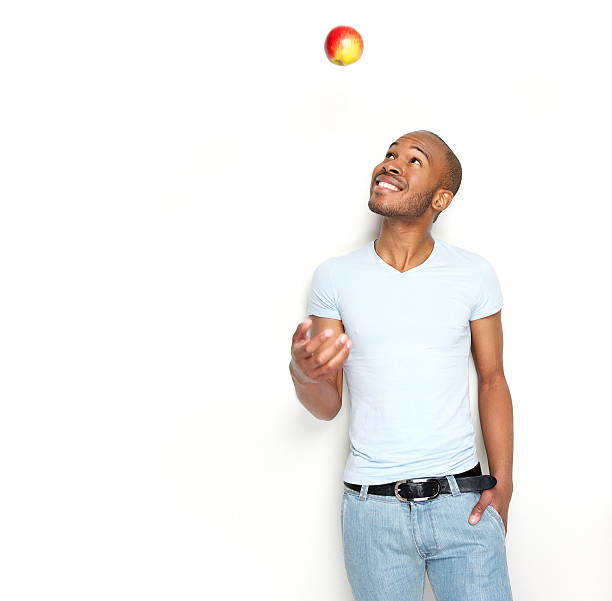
pixel 487 347
pixel 323 323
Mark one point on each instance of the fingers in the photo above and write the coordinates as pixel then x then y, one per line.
pixel 331 359
pixel 313 361
pixel 300 331
pixel 300 338
pixel 478 509
pixel 306 347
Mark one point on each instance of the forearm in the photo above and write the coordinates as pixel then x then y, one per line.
pixel 321 398
pixel 496 420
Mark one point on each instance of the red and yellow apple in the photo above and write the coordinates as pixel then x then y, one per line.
pixel 343 45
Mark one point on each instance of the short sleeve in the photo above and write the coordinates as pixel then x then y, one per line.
pixel 323 298
pixel 488 293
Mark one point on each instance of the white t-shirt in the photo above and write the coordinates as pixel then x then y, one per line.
pixel 407 371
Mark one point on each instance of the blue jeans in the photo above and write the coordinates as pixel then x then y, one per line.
pixel 389 545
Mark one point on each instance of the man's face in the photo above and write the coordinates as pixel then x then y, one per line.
pixel 404 184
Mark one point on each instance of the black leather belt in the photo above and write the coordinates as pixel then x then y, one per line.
pixel 421 489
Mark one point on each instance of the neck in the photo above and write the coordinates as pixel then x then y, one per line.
pixel 404 247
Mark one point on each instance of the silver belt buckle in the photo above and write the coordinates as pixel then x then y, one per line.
pixel 417 481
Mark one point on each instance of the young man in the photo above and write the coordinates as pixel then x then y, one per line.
pixel 399 317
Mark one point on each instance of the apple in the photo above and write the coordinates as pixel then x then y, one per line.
pixel 343 45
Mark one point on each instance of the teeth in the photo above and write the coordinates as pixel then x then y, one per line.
pixel 387 185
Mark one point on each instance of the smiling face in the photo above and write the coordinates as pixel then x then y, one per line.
pixel 406 182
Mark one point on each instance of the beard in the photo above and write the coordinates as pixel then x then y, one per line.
pixel 412 207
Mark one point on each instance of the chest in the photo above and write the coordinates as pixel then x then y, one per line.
pixel 430 313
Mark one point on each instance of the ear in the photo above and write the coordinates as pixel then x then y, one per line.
pixel 442 200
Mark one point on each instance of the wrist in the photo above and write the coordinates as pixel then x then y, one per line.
pixel 298 376
pixel 503 481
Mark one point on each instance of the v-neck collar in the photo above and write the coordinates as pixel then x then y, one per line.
pixel 391 269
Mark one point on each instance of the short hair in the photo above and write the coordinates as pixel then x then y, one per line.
pixel 451 174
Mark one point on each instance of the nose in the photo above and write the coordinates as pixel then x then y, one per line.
pixel 391 168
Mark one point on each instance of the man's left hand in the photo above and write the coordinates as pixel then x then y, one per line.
pixel 499 497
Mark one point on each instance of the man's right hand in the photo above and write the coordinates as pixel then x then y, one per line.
pixel 310 362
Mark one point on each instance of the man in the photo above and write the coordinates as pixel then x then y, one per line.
pixel 398 317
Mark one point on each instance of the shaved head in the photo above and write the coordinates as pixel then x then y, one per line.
pixel 450 176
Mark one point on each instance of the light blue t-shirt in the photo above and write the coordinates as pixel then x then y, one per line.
pixel 407 371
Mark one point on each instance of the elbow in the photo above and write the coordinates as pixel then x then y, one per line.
pixel 492 379
pixel 329 417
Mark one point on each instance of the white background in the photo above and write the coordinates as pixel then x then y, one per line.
pixel 172 173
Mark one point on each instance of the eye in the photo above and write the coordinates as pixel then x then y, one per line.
pixel 391 154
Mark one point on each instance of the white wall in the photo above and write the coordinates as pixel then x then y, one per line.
pixel 172 173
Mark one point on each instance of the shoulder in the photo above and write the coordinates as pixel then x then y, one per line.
pixel 342 262
pixel 464 257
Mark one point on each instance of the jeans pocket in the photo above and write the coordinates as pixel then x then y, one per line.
pixel 498 518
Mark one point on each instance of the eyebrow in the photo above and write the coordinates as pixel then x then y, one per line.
pixel 416 148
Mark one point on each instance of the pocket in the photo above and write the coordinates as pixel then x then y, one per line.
pixel 497 517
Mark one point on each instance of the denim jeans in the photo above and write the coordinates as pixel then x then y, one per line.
pixel 389 545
